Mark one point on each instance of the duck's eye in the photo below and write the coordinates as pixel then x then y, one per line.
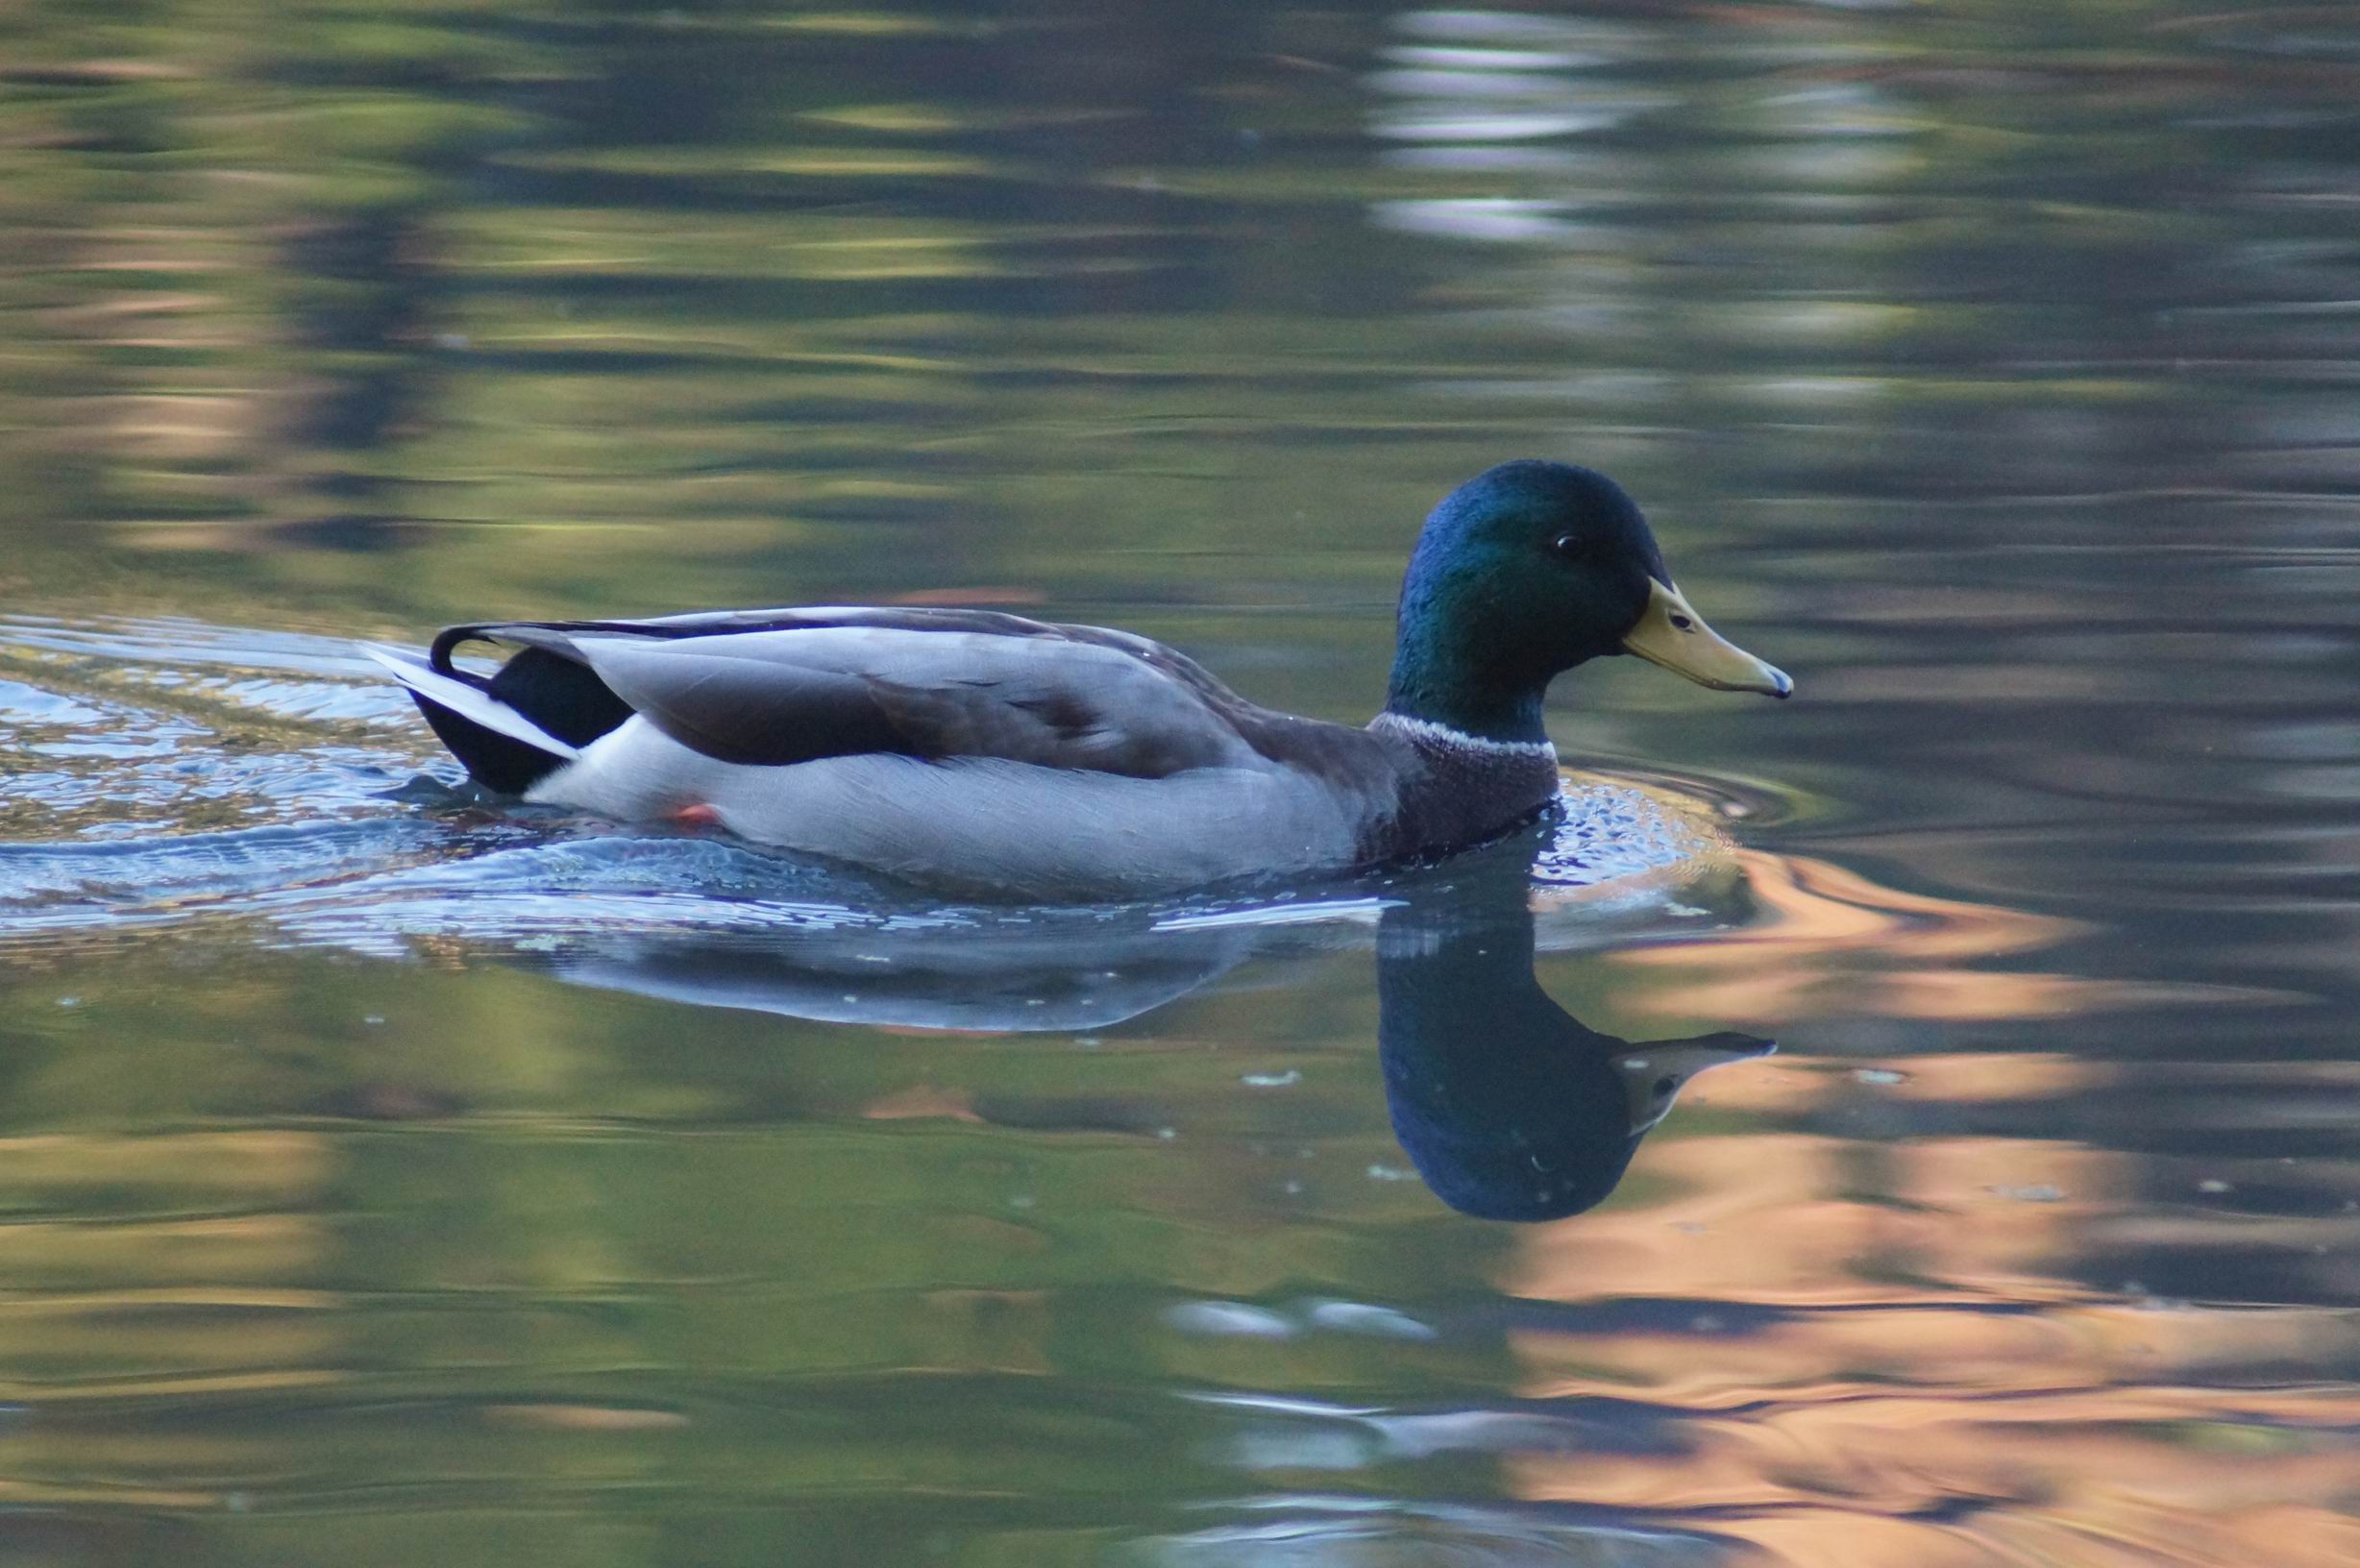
pixel 1568 547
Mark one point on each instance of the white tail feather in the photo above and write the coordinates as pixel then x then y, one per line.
pixel 464 699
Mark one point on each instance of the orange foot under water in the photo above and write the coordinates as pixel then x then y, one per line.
pixel 697 816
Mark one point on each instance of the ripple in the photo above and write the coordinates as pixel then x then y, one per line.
pixel 1316 1532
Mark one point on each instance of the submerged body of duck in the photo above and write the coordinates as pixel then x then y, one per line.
pixel 996 755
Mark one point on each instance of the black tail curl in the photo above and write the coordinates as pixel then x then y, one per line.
pixel 561 697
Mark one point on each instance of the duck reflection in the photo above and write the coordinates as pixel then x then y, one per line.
pixel 1510 1107
pixel 1054 976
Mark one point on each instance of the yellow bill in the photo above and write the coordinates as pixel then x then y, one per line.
pixel 1673 635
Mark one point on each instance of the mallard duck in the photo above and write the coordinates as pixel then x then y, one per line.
pixel 992 754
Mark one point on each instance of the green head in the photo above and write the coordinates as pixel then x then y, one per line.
pixel 1526 571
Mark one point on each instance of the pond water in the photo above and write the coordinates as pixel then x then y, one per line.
pixel 388 1178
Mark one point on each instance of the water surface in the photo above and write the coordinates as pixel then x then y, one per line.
pixel 389 1178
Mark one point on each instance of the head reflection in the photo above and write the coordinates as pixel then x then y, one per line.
pixel 1510 1107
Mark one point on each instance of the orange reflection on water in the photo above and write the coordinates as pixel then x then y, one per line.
pixel 1832 942
pixel 1877 1348
pixel 1867 1356
pixel 1855 1476
pixel 1778 1218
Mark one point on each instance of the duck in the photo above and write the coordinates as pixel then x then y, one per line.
pixel 989 754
